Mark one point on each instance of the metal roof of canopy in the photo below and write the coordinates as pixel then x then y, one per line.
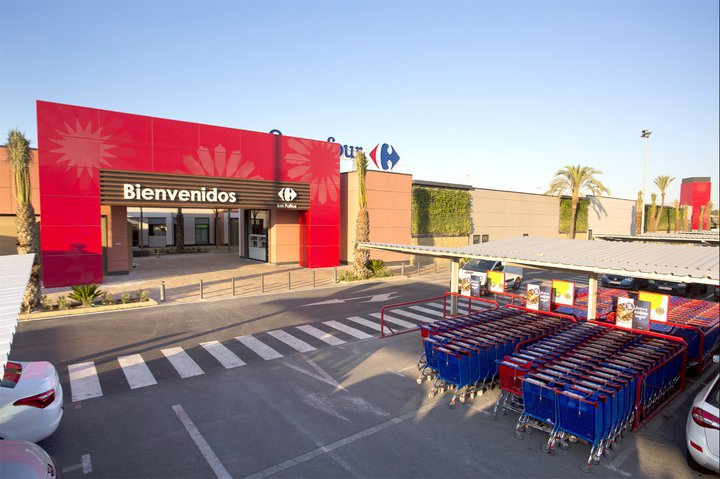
pixel 13 281
pixel 697 237
pixel 678 263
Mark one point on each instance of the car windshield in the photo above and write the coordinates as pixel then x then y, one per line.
pixel 479 265
pixel 714 396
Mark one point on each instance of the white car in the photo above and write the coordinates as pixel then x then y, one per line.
pixel 23 459
pixel 703 426
pixel 479 268
pixel 31 401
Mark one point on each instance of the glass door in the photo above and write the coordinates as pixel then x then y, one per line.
pixel 257 222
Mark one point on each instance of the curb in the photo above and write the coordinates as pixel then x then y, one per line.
pixel 82 311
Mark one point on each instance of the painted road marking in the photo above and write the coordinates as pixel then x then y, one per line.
pixel 201 443
pixel 365 322
pixel 84 382
pixel 220 352
pixel 414 316
pixel 321 335
pixel 136 371
pixel 182 363
pixel 292 341
pixel 348 330
pixel 260 348
pixel 427 311
pixel 396 321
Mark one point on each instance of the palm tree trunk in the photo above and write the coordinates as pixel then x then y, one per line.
pixel 659 215
pixel 573 213
pixel 28 241
pixel 362 233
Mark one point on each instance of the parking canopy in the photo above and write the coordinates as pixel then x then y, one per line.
pixel 14 275
pixel 679 263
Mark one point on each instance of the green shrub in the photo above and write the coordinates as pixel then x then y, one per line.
pixel 440 212
pixel 62 302
pixel 85 293
pixel 107 299
pixel 144 295
pixel 125 298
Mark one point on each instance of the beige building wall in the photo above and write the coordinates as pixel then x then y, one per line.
pixel 509 214
pixel 284 237
pixel 611 215
pixel 389 202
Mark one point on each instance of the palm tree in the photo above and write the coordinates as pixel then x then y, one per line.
pixel 28 233
pixel 639 213
pixel 362 225
pixel 574 180
pixel 662 182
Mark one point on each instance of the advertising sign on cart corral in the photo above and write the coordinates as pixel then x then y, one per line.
pixel 538 297
pixel 475 281
pixel 659 305
pixel 633 314
pixel 625 312
pixel 496 281
pixel 563 292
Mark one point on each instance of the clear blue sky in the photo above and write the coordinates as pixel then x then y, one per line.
pixel 498 94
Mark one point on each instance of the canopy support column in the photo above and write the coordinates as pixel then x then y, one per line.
pixel 592 296
pixel 454 284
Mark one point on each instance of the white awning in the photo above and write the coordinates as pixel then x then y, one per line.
pixel 15 272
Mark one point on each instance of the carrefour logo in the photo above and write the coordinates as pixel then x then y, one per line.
pixel 384 155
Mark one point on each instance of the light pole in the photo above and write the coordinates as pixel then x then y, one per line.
pixel 644 134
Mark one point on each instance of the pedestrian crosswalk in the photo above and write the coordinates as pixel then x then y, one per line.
pixel 85 381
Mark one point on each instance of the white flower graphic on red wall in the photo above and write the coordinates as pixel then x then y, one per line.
pixel 315 162
pixel 83 147
pixel 219 163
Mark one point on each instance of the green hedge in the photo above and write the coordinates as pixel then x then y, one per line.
pixel 581 217
pixel 441 212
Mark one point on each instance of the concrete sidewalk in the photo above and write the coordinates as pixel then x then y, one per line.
pixel 182 274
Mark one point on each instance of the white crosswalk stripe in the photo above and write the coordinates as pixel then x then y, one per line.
pixel 429 311
pixel 260 348
pixel 396 321
pixel 292 341
pixel 182 363
pixel 365 322
pixel 321 335
pixel 348 330
pixel 136 371
pixel 220 352
pixel 84 382
pixel 414 316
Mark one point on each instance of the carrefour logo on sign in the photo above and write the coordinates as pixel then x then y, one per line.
pixel 384 155
pixel 287 194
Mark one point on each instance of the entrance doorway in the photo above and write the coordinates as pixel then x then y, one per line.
pixel 257 222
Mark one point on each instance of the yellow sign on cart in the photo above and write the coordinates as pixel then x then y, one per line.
pixel 496 281
pixel 659 305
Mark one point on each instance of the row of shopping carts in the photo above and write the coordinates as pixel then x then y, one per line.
pixel 591 381
pixel 461 354
pixel 694 320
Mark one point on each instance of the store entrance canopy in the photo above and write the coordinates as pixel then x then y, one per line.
pixel 13 281
pixel 678 263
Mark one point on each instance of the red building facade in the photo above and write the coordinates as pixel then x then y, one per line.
pixel 90 157
pixel 695 192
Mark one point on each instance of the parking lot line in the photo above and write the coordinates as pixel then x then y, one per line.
pixel 201 443
pixel 365 322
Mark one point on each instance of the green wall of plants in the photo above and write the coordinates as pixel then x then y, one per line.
pixel 581 219
pixel 442 212
pixel 667 220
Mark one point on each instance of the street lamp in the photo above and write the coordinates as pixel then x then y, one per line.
pixel 644 134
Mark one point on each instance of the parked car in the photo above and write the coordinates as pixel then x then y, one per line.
pixel 480 267
pixel 31 401
pixel 623 282
pixel 25 460
pixel 702 429
pixel 676 289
